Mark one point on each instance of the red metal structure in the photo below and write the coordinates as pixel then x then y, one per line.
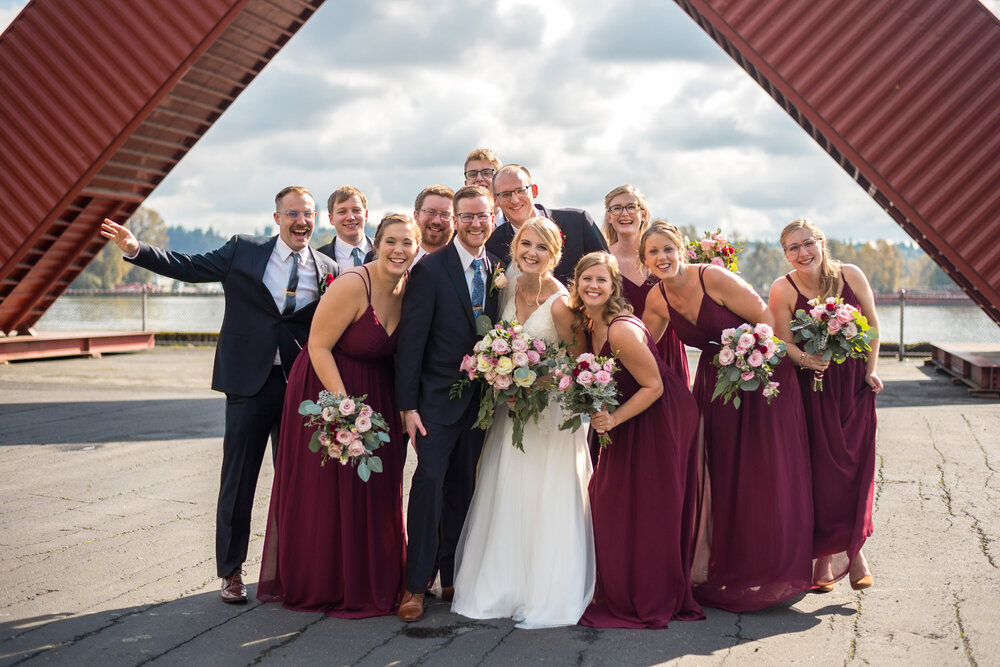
pixel 100 100
pixel 904 95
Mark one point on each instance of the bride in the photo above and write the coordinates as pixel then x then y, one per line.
pixel 527 547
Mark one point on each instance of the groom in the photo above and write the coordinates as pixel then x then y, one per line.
pixel 445 293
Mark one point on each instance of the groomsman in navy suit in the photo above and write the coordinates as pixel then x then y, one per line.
pixel 272 286
pixel 347 209
pixel 445 293
pixel 515 193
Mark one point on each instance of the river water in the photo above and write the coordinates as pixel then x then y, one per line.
pixel 955 323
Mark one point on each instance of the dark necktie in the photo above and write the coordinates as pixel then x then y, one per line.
pixel 293 284
pixel 356 254
pixel 478 286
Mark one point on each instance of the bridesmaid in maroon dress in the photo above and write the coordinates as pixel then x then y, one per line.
pixel 335 544
pixel 755 542
pixel 841 418
pixel 643 506
pixel 626 217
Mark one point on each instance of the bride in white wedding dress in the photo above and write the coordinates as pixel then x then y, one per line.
pixel 527 547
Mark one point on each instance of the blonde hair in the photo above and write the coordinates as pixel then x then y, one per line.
pixel 829 268
pixel 550 235
pixel 484 154
pixel 616 305
pixel 663 228
pixel 395 219
pixel 609 230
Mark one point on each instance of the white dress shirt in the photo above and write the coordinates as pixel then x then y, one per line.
pixel 342 252
pixel 465 257
pixel 279 268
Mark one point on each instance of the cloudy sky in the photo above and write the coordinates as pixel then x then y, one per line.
pixel 390 96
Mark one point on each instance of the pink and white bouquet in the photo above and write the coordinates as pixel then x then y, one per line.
pixel 514 366
pixel 714 249
pixel 587 386
pixel 836 329
pixel 347 430
pixel 746 360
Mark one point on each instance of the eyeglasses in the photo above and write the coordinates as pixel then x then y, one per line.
pixel 294 214
pixel 618 208
pixel 469 217
pixel 431 213
pixel 794 249
pixel 506 196
pixel 473 174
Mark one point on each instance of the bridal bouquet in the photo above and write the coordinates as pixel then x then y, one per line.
pixel 347 430
pixel 836 329
pixel 511 363
pixel 714 249
pixel 587 386
pixel 746 361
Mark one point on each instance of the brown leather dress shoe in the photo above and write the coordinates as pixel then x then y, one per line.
pixel 233 590
pixel 447 593
pixel 411 608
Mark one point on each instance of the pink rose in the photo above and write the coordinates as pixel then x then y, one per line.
pixel 334 451
pixel 844 314
pixel 728 335
pixel 586 378
pixel 602 377
pixel 357 448
pixel 726 356
pixel 707 246
pixel 346 407
pixel 719 238
pixel 609 366
pixel 344 437
pixel 500 346
pixel 764 330
pixel 771 390
pixel 539 345
pixel 362 423
pixel 834 325
pixel 748 375
pixel 746 341
pixel 329 414
pixel 366 410
pixel 756 359
pixel 692 254
pixel 534 357
pixel 564 382
pixel 468 364
pixel 519 359
pixel 851 330
pixel 519 345
pixel 718 262
pixel 586 357
pixel 502 382
pixel 491 376
pixel 324 439
pixel 817 312
pixel 770 349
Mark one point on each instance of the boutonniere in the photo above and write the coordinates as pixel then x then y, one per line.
pixel 325 282
pixel 499 280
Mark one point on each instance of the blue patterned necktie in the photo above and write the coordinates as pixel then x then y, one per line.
pixel 293 285
pixel 478 286
pixel 356 254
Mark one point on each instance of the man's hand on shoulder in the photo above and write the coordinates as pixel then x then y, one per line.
pixel 123 238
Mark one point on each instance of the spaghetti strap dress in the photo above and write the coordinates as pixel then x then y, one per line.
pixel 670 348
pixel 754 545
pixel 841 422
pixel 643 497
pixel 334 543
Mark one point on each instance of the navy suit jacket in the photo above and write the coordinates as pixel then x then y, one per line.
pixel 332 254
pixel 436 330
pixel 580 236
pixel 252 326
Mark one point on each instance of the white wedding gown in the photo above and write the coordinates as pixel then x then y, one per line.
pixel 527 547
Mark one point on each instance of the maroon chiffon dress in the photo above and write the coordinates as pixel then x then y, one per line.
pixel 841 423
pixel 754 545
pixel 334 543
pixel 670 347
pixel 643 498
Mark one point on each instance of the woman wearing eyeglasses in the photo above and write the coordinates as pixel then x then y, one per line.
pixel 626 216
pixel 841 418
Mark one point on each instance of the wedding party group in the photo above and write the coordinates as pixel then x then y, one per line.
pixel 568 470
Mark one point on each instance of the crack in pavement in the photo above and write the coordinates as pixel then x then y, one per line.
pixel 852 648
pixel 879 481
pixel 393 636
pixel 449 639
pixel 984 539
pixel 966 644
pixel 288 640
pixel 496 646
pixel 190 639
pixel 943 485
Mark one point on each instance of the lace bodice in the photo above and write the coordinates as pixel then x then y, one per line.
pixel 540 323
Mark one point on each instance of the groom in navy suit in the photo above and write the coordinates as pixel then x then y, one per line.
pixel 272 286
pixel 445 293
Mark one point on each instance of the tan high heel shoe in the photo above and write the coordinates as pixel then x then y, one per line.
pixel 865 580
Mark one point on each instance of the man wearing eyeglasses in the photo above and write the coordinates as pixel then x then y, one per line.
pixel 272 286
pixel 347 209
pixel 515 193
pixel 480 166
pixel 433 214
